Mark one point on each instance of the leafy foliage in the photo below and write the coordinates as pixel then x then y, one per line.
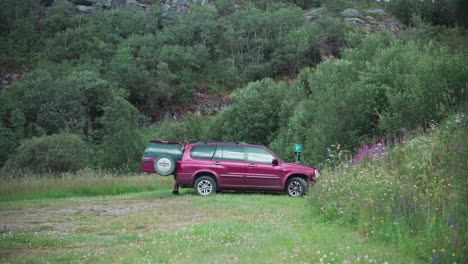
pixel 131 67
pixel 383 85
pixel 435 12
pixel 253 117
pixel 64 152
pixel 121 145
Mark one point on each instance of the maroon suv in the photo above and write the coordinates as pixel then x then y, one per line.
pixel 214 166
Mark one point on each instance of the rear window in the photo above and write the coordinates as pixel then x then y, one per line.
pixel 156 149
pixel 255 154
pixel 203 152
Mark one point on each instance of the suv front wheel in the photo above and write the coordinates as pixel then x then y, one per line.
pixel 296 187
pixel 205 185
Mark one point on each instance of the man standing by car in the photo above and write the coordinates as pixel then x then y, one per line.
pixel 175 186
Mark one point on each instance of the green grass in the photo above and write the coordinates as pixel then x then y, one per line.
pixel 83 183
pixel 415 197
pixel 409 207
pixel 142 227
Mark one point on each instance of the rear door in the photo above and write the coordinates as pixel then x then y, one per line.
pixel 261 173
pixel 229 163
pixel 156 148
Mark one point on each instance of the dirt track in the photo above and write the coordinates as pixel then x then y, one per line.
pixel 71 215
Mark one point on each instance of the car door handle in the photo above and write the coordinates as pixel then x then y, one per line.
pixel 216 163
pixel 252 165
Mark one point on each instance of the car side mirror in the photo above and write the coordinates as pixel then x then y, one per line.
pixel 275 162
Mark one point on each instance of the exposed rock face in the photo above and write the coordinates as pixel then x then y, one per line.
pixel 85 9
pixel 202 102
pixel 355 21
pixel 379 12
pixel 205 102
pixel 350 12
pixel 179 6
pixel 314 14
pixel 106 3
pixel 8 79
pixel 370 20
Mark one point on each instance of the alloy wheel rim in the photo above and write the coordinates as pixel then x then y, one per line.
pixel 295 189
pixel 205 187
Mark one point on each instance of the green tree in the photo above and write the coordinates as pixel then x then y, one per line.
pixel 60 16
pixel 55 97
pixel 8 142
pixel 122 143
pixel 253 117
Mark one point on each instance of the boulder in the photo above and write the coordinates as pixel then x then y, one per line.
pixel 379 12
pixel 350 12
pixel 85 9
pixel 179 6
pixel 314 14
pixel 107 3
pixel 8 79
pixel 371 19
pixel 354 21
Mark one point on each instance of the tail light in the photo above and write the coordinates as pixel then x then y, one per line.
pixel 179 166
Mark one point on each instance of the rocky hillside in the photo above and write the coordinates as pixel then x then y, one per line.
pixel 202 100
pixel 368 20
pixel 181 6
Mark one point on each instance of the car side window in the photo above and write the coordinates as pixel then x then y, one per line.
pixel 255 154
pixel 202 151
pixel 230 153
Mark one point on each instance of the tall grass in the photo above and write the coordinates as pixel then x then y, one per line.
pixel 81 183
pixel 413 194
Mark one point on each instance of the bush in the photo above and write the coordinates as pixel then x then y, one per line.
pixel 253 117
pixel 7 144
pixel 381 86
pixel 64 152
pixel 192 129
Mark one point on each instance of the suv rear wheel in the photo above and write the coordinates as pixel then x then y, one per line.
pixel 296 187
pixel 205 185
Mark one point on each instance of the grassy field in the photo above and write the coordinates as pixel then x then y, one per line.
pixel 27 186
pixel 404 203
pixel 155 227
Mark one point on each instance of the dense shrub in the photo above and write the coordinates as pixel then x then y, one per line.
pixel 58 96
pixel 64 152
pixel 383 85
pixel 254 115
pixel 435 12
pixel 7 144
pixel 192 129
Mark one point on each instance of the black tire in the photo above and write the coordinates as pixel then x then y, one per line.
pixel 205 185
pixel 296 187
pixel 164 165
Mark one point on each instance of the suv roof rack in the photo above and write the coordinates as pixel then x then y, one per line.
pixel 228 142
pixel 165 142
